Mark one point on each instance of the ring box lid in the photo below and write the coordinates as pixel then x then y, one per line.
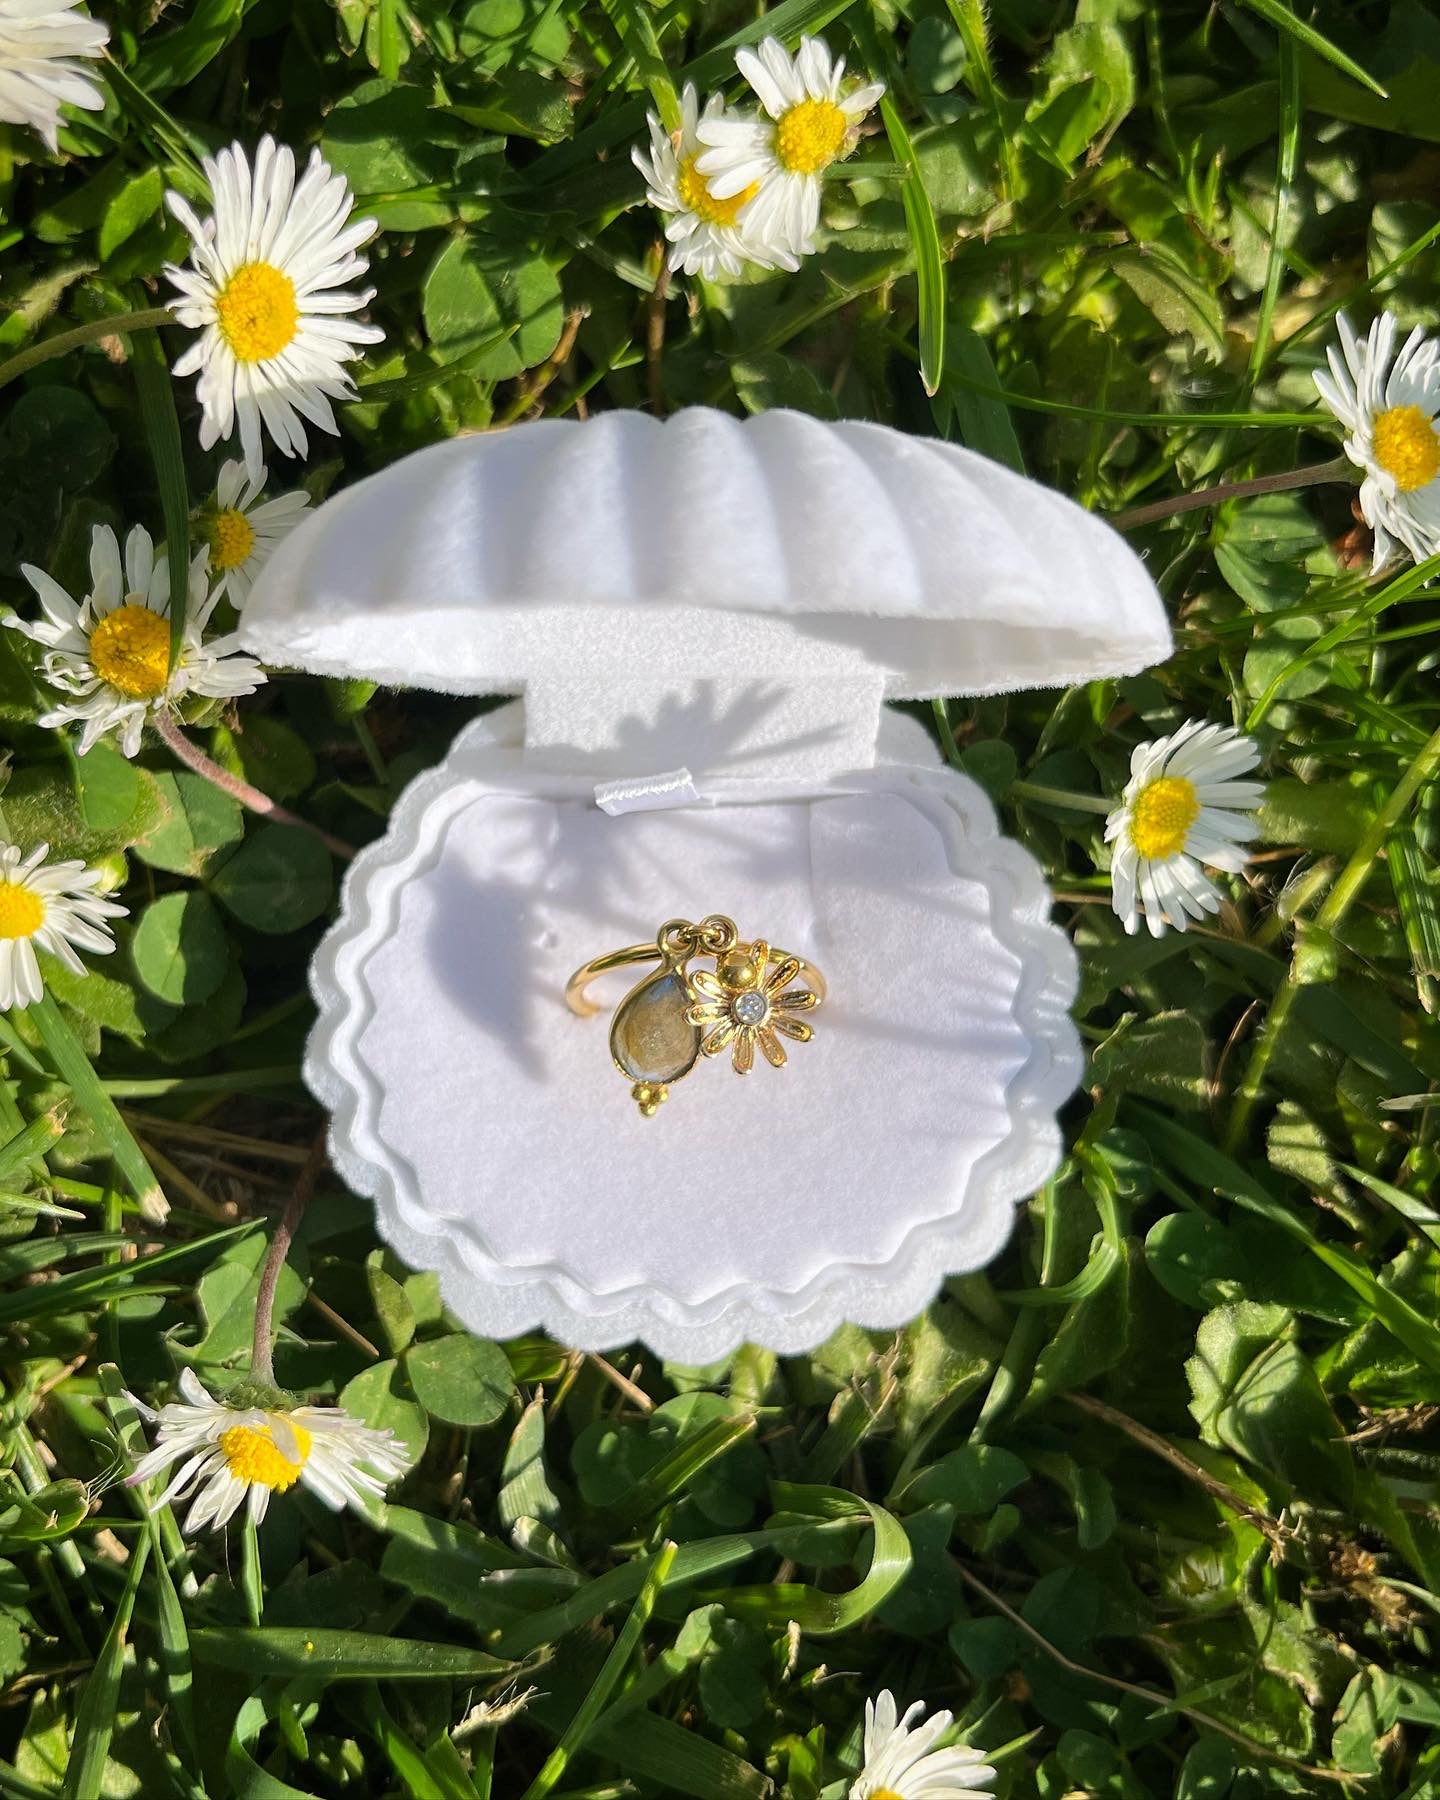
pixel 618 567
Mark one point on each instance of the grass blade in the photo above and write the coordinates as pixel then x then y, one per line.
pixel 73 1067
pixel 339 1655
pixel 611 1670
pixel 1284 20
pixel 389 40
pixel 1419 912
pixel 929 257
pixel 162 433
pixel 1288 164
pixel 95 1716
pixel 32 1143
pixel 631 19
pixel 174 1637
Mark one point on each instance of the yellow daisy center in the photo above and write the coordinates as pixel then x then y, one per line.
pixel 1161 816
pixel 1406 446
pixel 253 1456
pixel 130 649
pixel 232 538
pixel 257 311
pixel 810 136
pixel 886 1794
pixel 696 197
pixel 21 912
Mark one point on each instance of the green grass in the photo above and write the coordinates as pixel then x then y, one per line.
pixel 1153 1503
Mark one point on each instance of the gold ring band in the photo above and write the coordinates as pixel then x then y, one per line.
pixel 676 1016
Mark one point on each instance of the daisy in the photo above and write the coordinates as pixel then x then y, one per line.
pixel 1180 810
pixel 901 1765
pixel 51 907
pixel 743 1004
pixel 1387 402
pixel 265 290
pixel 702 231
pixel 243 534
pixel 111 651
pixel 813 121
pixel 40 41
pixel 246 1453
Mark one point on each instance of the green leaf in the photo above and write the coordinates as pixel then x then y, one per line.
pixel 137 202
pixel 984 423
pixel 476 288
pixel 267 754
pixel 1253 1391
pixel 226 1296
pixel 462 1380
pixel 1324 815
pixel 175 58
pixel 179 948
pixel 1182 304
pixel 974 1479
pixel 378 1397
pixel 54 435
pixel 1163 1058
pixel 199 821
pixel 42 807
pixel 111 789
pixel 337 1655
pixel 278 880
pixel 102 1000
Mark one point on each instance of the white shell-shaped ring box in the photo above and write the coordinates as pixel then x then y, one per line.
pixel 702 618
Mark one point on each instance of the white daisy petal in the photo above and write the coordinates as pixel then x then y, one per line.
pixel 1388 402
pixel 49 907
pixel 244 531
pixel 900 1758
pixel 42 43
pixel 234 1456
pixel 699 214
pixel 1181 808
pixel 263 270
pixel 811 120
pixel 113 661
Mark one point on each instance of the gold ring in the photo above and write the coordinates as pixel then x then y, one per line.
pixel 672 1018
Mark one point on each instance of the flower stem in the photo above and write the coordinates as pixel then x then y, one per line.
pixel 195 758
pixel 65 341
pixel 1310 476
pixel 1328 920
pixel 1063 797
pixel 262 1352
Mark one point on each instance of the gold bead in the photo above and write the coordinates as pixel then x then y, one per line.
pixel 737 972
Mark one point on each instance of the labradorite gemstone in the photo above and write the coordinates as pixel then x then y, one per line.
pixel 650 1038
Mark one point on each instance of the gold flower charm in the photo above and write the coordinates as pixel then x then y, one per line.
pixel 673 1017
pixel 745 1004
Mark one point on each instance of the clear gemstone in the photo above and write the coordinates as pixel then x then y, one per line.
pixel 650 1038
pixel 750 1009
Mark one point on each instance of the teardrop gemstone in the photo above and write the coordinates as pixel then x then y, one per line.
pixel 650 1037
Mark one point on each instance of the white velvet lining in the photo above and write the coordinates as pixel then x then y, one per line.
pixel 502 1147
